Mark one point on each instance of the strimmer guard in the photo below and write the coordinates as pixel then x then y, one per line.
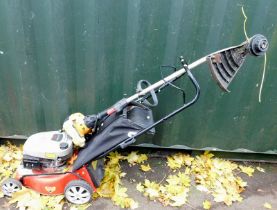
pixel 225 64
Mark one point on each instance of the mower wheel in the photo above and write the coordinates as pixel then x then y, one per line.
pixel 10 186
pixel 78 192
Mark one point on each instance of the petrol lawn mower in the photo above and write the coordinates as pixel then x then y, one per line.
pixel 46 154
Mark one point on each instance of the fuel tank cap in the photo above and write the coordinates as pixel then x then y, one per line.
pixel 63 145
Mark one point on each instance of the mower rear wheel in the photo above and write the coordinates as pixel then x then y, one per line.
pixel 78 192
pixel 10 186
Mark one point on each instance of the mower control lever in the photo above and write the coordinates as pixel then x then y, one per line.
pixel 183 62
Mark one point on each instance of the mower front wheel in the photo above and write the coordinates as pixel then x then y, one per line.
pixel 78 192
pixel 10 186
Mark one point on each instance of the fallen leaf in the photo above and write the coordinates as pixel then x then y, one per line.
pixel 111 186
pixel 79 207
pixel 202 188
pixel 260 169
pixel 206 204
pixel 175 161
pixel 134 158
pixel 145 168
pixel 267 205
pixel 94 164
pixel 247 170
pixel 134 204
pixel 140 187
pixel 179 199
pixel 27 199
pixel 8 157
pixel 151 189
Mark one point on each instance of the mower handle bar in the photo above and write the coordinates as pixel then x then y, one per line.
pixel 167 79
pixel 130 140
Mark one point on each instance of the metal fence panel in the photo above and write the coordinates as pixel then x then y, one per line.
pixel 60 57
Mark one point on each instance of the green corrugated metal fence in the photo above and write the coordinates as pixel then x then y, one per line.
pixel 60 57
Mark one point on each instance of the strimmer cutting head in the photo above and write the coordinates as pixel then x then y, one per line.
pixel 224 64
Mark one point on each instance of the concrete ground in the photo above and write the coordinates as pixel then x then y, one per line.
pixel 262 187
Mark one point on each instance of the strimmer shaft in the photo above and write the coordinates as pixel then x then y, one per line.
pixel 223 64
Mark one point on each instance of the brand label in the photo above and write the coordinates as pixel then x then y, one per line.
pixel 50 189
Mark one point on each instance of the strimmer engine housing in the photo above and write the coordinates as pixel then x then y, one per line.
pixel 47 150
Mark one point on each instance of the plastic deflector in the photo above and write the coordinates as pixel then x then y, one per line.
pixel 224 65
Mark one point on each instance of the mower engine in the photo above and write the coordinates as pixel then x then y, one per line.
pixel 49 149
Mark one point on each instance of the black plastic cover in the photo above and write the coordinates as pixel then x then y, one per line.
pixel 224 65
pixel 142 116
pixel 112 132
pixel 96 174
